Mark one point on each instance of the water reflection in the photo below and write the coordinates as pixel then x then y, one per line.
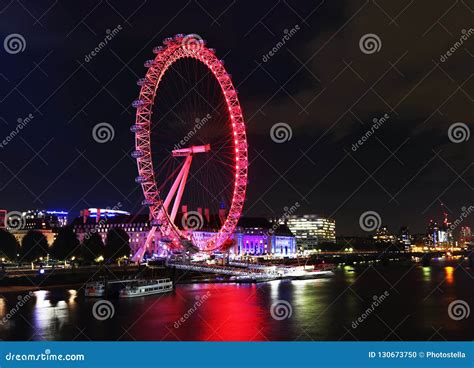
pixel 426 273
pixel 449 274
pixel 51 312
pixel 322 309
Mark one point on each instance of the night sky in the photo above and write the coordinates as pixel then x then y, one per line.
pixel 320 83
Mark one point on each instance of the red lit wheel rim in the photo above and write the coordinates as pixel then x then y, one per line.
pixel 175 49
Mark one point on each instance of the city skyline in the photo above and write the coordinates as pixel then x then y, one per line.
pixel 330 161
pixel 287 172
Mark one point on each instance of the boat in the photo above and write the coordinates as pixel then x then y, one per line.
pixel 304 273
pixel 146 287
pixel 254 278
pixel 94 289
pixel 308 275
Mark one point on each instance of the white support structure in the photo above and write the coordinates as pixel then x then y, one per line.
pixel 178 185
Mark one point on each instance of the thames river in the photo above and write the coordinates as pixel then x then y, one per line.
pixel 394 302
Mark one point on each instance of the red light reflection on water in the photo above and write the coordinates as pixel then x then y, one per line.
pixel 214 312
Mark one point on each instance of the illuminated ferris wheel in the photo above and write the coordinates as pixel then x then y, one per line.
pixel 190 144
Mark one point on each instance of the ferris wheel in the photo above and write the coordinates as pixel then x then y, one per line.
pixel 190 146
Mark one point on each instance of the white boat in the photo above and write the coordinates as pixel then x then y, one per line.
pixel 146 287
pixel 95 289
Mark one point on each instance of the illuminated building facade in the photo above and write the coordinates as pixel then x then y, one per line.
pixel 258 237
pixel 404 237
pixel 383 236
pixel 311 230
pixel 465 236
pixel 253 236
pixel 439 235
pixel 46 222
pixel 100 221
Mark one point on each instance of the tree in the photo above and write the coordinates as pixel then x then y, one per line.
pixel 33 246
pixel 92 247
pixel 66 244
pixel 9 247
pixel 117 244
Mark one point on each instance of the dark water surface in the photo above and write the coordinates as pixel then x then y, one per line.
pixel 416 308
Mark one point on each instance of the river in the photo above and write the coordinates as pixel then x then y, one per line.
pixel 394 302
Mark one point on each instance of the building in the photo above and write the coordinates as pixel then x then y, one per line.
pixel 253 236
pixel 46 222
pixel 383 236
pixel 45 219
pixel 100 221
pixel 439 235
pixel 312 230
pixel 465 236
pixel 259 237
pixel 404 237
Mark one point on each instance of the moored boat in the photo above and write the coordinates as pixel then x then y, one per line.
pixel 146 287
pixel 94 289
